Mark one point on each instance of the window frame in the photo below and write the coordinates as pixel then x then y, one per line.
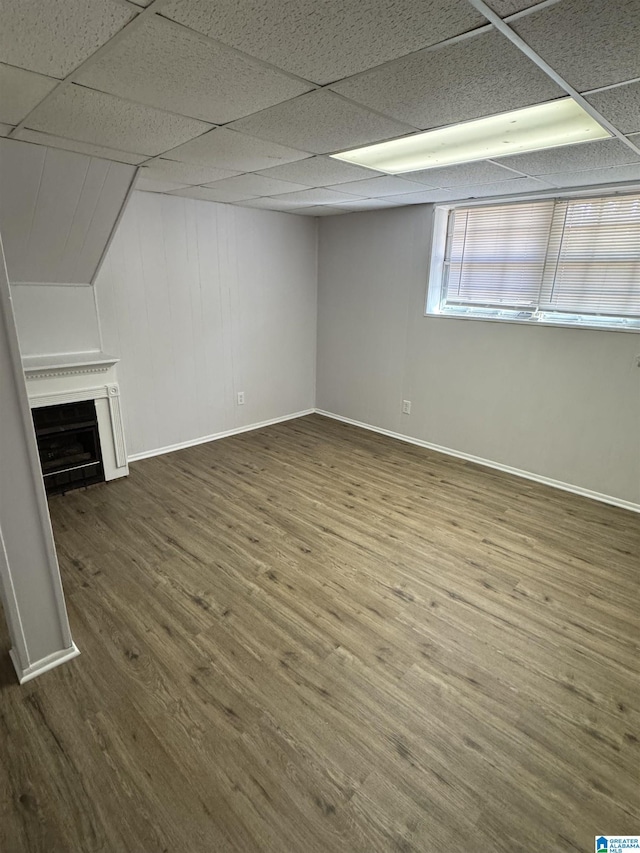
pixel 437 253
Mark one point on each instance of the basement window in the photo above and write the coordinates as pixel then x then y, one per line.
pixel 561 261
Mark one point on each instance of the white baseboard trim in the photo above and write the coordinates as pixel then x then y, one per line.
pixel 146 454
pixel 43 665
pixel 488 463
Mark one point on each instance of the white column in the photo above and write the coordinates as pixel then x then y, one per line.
pixel 30 585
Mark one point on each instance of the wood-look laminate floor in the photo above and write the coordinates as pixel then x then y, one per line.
pixel 312 639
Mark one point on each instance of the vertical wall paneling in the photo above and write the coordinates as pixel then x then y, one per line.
pixel 57 211
pixel 21 172
pixel 199 301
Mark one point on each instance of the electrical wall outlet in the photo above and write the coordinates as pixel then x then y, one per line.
pixel 406 407
pixel 241 398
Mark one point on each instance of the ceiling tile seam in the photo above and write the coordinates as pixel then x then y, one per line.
pixel 141 15
pixel 369 197
pixel 220 127
pixel 523 13
pixel 352 102
pixel 410 130
pixel 586 191
pixel 29 71
pixel 544 66
pixel 88 144
pixel 55 88
pixel 588 92
pixel 548 191
pixel 404 176
pixel 20 125
pixel 128 4
pixel 517 172
pixel 155 157
pixel 134 103
pixel 242 54
pixel 432 48
pixel 518 175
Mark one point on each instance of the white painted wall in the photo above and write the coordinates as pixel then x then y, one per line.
pixel 30 586
pixel 200 301
pixel 55 318
pixel 559 403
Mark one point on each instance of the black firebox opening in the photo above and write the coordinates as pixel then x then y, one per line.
pixel 69 446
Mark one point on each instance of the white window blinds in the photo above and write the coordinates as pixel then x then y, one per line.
pixel 552 257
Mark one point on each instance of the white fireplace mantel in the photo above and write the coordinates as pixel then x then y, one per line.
pixel 67 364
pixel 72 377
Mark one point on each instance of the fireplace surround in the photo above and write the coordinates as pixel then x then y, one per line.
pixel 54 380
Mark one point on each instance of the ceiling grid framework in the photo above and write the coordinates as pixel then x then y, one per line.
pixel 243 101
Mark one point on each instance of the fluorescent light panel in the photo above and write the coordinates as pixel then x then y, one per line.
pixel 561 122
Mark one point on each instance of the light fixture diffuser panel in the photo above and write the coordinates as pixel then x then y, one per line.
pixel 549 125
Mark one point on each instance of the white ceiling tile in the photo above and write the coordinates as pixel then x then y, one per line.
pixel 501 188
pixel 620 105
pixel 315 196
pixel 254 185
pixel 319 172
pixel 54 36
pixel 573 158
pixel 326 41
pixel 251 203
pixel 426 197
pixel 275 203
pixel 209 194
pixel 101 119
pixel 5 129
pixel 510 7
pixel 79 147
pixel 378 187
pixel 591 43
pixel 369 204
pixel 320 122
pixel 613 175
pixel 482 172
pixel 21 92
pixel 151 186
pixel 478 76
pixel 230 150
pixel 319 210
pixel 162 169
pixel 167 66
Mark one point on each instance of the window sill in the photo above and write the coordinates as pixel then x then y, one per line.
pixel 532 323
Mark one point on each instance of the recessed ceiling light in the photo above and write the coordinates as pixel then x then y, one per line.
pixel 550 125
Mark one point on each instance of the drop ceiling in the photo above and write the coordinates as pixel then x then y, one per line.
pixel 242 101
